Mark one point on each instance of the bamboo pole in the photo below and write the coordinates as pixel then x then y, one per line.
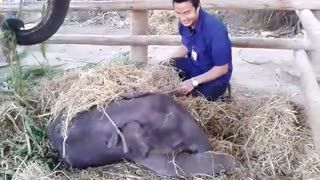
pixel 3 57
pixel 317 14
pixel 139 26
pixel 142 5
pixel 311 91
pixel 174 40
pixel 315 55
pixel 312 27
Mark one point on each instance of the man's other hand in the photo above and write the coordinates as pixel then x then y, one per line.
pixel 185 87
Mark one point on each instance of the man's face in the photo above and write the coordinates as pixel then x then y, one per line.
pixel 186 13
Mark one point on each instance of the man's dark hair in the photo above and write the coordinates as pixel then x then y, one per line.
pixel 195 3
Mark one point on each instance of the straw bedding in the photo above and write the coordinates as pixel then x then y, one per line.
pixel 269 137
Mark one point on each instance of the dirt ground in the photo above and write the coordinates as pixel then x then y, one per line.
pixel 260 71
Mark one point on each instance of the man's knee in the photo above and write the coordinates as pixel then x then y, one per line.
pixel 178 62
pixel 182 67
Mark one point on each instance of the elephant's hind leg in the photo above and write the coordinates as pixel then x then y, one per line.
pixel 187 165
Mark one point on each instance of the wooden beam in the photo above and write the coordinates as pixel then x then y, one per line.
pixel 1 18
pixel 139 26
pixel 140 5
pixel 312 28
pixel 117 40
pixel 311 91
pixel 173 40
pixel 2 56
pixel 317 14
pixel 270 43
pixel 315 54
pixel 309 22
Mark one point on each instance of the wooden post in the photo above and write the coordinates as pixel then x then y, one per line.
pixel 311 91
pixel 317 14
pixel 312 26
pixel 315 54
pixel 139 26
pixel 3 57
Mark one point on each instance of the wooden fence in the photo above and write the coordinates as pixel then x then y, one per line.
pixel 306 50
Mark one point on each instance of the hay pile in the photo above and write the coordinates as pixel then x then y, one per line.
pixel 21 138
pixel 268 136
pixel 163 23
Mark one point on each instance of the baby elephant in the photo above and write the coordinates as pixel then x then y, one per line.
pixel 150 125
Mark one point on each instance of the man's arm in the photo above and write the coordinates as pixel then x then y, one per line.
pixel 180 52
pixel 217 71
pixel 221 52
pixel 212 74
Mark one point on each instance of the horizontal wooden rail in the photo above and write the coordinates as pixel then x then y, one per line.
pixel 173 40
pixel 123 5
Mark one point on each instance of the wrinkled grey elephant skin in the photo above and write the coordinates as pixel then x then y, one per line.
pixel 49 25
pixel 151 124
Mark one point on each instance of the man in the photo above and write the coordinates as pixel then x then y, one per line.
pixel 204 59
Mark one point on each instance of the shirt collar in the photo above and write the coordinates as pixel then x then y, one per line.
pixel 200 20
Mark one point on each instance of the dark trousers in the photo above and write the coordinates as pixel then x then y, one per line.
pixel 210 92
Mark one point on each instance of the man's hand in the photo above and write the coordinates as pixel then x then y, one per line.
pixel 165 62
pixel 181 51
pixel 185 87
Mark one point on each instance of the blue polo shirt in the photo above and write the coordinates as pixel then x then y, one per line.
pixel 211 43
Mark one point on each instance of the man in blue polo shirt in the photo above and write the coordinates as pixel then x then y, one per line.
pixel 204 58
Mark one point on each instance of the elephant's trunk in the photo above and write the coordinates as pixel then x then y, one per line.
pixel 49 25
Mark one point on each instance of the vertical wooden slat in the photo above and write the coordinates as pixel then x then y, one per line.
pixel 2 53
pixel 139 26
pixel 315 54
pixel 317 14
pixel 309 64
pixel 311 91
pixel 312 27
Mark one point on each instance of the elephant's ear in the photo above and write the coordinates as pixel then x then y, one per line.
pixel 133 132
pixel 113 141
pixel 170 122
